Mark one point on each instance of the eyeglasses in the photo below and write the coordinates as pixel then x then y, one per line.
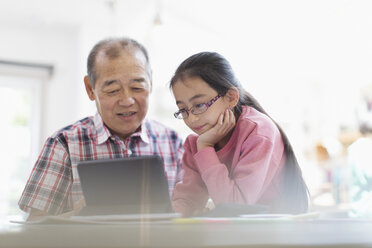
pixel 195 110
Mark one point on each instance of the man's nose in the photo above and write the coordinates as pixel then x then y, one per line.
pixel 126 99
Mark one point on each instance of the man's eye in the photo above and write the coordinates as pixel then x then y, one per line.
pixel 137 89
pixel 113 91
pixel 181 111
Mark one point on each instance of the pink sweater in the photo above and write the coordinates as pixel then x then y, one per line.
pixel 246 170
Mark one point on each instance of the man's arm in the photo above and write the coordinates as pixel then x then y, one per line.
pixel 180 152
pixel 49 186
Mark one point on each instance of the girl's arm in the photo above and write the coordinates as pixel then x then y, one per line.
pixel 259 161
pixel 190 195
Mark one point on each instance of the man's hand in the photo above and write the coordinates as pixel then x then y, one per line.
pixel 36 214
pixel 224 125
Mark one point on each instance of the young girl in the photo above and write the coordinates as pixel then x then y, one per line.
pixel 239 154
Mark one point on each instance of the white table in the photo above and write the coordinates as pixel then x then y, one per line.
pixel 262 234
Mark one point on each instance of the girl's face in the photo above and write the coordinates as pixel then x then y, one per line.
pixel 193 91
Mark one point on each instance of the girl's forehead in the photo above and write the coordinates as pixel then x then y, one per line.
pixel 188 91
pixel 195 84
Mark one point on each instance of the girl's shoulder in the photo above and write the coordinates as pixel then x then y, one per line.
pixel 256 123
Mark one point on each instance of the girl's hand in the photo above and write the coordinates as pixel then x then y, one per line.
pixel 225 123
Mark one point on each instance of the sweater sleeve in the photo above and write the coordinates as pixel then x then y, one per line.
pixel 190 195
pixel 247 181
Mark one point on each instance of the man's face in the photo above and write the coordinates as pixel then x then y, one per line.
pixel 121 91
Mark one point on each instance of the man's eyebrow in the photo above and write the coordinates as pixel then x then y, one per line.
pixel 109 82
pixel 192 98
pixel 138 80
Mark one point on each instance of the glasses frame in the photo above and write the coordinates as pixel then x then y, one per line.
pixel 178 114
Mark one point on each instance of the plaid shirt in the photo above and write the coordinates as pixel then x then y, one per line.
pixel 54 185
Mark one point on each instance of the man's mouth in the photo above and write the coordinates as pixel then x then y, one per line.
pixel 126 114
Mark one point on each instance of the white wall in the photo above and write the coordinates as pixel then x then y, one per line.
pixel 305 61
pixel 52 46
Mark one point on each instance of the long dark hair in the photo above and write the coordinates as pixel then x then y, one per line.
pixel 217 72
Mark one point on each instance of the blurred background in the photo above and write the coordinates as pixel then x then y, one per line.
pixel 309 63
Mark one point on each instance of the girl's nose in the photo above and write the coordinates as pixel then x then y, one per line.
pixel 192 117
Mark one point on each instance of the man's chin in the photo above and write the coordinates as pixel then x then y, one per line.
pixel 126 132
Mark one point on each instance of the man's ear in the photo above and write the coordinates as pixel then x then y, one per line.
pixel 232 96
pixel 89 88
pixel 151 81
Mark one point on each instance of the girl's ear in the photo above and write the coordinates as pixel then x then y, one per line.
pixel 232 97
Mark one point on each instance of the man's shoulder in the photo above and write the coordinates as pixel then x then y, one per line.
pixel 81 127
pixel 158 129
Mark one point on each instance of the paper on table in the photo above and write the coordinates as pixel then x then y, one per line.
pixel 128 217
pixel 247 218
pixel 102 219
pixel 310 215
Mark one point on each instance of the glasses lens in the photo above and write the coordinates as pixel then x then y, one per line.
pixel 199 108
pixel 181 115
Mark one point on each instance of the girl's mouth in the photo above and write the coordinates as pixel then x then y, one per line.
pixel 199 127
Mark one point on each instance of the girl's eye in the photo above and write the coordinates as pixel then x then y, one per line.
pixel 183 112
pixel 199 106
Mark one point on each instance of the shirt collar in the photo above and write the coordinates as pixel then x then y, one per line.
pixel 143 133
pixel 103 133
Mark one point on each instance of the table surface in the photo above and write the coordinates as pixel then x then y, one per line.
pixel 335 233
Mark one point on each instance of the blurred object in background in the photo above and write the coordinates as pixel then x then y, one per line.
pixel 360 161
pixel 332 192
pixel 360 164
pixel 321 197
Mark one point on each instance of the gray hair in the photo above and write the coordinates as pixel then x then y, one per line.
pixel 112 47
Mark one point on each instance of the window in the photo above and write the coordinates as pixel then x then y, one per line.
pixel 20 105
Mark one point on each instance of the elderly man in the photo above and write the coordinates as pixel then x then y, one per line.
pixel 119 81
